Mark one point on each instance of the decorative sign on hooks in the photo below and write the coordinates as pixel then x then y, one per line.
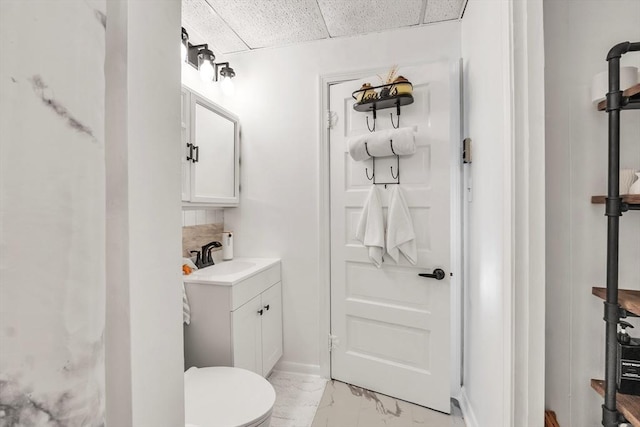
pixel 394 92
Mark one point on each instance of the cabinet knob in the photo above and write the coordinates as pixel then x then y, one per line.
pixel 260 312
pixel 266 307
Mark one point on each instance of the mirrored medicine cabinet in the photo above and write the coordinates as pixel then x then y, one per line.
pixel 210 153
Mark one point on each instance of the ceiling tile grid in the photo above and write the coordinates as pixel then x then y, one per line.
pixel 198 16
pixel 238 25
pixel 264 23
pixel 347 18
pixel 442 10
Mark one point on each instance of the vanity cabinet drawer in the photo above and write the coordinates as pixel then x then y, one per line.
pixel 244 291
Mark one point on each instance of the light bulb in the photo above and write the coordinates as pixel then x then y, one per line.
pixel 206 71
pixel 227 86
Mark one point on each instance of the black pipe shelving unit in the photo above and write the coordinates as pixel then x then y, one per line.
pixel 617 408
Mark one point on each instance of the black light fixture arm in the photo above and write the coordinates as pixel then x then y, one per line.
pixel 194 50
pixel 222 69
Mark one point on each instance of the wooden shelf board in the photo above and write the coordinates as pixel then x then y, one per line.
pixel 628 299
pixel 628 405
pixel 632 199
pixel 633 90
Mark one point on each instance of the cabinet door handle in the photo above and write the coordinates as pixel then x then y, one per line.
pixel 260 312
pixel 197 156
pixel 266 307
pixel 190 155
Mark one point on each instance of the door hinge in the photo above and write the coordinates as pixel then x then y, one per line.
pixel 466 151
pixel 332 119
pixel 334 342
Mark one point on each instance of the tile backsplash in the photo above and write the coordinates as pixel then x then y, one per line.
pixel 200 227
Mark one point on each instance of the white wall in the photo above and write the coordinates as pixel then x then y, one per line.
pixel 144 317
pixel 486 90
pixel 52 219
pixel 578 35
pixel 278 100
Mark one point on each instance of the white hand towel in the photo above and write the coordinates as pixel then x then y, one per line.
pixel 384 143
pixel 186 309
pixel 400 234
pixel 370 229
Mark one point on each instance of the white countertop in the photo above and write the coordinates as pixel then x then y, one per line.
pixel 228 273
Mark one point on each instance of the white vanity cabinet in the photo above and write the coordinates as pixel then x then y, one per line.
pixel 257 332
pixel 236 320
pixel 210 153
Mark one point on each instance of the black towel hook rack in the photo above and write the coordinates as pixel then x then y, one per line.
pixel 397 114
pixel 395 176
pixel 374 121
pixel 372 99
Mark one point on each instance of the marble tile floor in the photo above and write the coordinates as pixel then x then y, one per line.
pixel 344 405
pixel 297 398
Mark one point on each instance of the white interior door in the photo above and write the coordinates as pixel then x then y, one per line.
pixel 392 327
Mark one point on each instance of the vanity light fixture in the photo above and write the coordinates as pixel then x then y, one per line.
pixel 206 64
pixel 227 73
pixel 202 58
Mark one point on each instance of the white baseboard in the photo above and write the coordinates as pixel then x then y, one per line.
pixel 298 368
pixel 467 412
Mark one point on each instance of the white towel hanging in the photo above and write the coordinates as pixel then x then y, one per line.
pixel 370 229
pixel 401 237
pixel 186 308
pixel 384 143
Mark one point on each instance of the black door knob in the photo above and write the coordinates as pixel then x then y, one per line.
pixel 266 307
pixel 438 274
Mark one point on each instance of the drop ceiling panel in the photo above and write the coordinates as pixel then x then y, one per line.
pixel 271 23
pixel 346 18
pixel 209 28
pixel 443 10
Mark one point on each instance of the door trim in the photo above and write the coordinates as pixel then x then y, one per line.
pixel 324 221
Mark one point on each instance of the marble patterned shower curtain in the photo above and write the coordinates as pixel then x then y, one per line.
pixel 52 212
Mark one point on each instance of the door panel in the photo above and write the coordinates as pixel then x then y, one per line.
pixel 271 327
pixel 392 326
pixel 213 174
pixel 247 336
pixel 215 134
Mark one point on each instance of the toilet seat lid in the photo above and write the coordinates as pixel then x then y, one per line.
pixel 224 396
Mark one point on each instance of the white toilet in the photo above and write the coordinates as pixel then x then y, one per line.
pixel 221 396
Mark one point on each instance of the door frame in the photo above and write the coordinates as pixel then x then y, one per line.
pixel 324 221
